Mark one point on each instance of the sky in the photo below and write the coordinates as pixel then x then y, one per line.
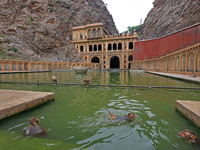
pixel 128 12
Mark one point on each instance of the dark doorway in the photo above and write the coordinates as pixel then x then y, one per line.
pixel 95 60
pixel 114 62
pixel 129 66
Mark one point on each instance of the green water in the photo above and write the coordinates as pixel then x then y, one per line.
pixel 77 119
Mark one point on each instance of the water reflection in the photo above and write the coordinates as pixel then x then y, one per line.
pixel 99 77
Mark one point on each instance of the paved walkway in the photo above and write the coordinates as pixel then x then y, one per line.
pixel 178 76
pixel 14 101
pixel 191 109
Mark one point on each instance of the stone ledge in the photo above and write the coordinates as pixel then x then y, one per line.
pixel 190 109
pixel 14 101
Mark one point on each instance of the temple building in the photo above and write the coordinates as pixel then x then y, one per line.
pixel 96 45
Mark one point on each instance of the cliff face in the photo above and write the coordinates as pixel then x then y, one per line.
pixel 168 16
pixel 41 29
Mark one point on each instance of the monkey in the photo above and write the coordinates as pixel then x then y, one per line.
pixel 129 117
pixel 33 127
pixel 87 81
pixel 54 79
pixel 189 136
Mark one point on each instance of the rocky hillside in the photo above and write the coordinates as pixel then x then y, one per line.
pixel 168 16
pixel 41 29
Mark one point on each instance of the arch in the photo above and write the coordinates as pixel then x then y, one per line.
pixel 60 66
pixel 95 47
pixel 119 46
pixel 130 45
pixel 55 67
pixel 114 62
pixel 177 63
pixel 95 60
pixel 99 32
pixel 183 61
pixel 130 58
pixel 90 48
pixel 81 48
pixel 109 46
pixel 99 47
pixel 65 67
pixel 26 66
pixel 50 66
pixel 114 46
pixel 89 33
pixel 198 62
pixel 168 64
pixel 191 62
pixel 94 33
pixel 32 66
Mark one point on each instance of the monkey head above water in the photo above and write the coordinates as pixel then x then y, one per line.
pixel 189 136
pixel 131 116
pixel 54 79
pixel 33 127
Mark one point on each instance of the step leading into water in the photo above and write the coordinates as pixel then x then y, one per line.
pixel 190 109
pixel 15 101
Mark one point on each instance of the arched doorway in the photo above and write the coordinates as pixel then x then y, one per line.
pixel 95 60
pixel 114 62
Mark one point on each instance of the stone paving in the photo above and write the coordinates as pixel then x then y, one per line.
pixel 191 109
pixel 178 76
pixel 14 101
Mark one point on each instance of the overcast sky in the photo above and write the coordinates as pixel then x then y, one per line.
pixel 128 12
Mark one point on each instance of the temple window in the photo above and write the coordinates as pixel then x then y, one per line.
pixel 90 48
pixel 99 47
pixel 130 45
pixel 89 33
pixel 114 46
pixel 109 46
pixel 120 46
pixel 99 32
pixel 95 47
pixel 94 33
pixel 81 36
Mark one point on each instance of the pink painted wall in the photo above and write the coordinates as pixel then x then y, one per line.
pixel 162 46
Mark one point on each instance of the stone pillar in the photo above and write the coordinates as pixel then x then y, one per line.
pixel 23 63
pixel 10 64
pixel 17 65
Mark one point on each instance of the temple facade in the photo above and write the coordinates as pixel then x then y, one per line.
pixel 96 45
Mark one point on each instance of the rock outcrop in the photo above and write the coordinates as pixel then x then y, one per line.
pixel 41 29
pixel 169 16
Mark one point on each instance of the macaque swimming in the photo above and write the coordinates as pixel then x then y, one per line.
pixel 189 136
pixel 33 127
pixel 54 79
pixel 129 117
